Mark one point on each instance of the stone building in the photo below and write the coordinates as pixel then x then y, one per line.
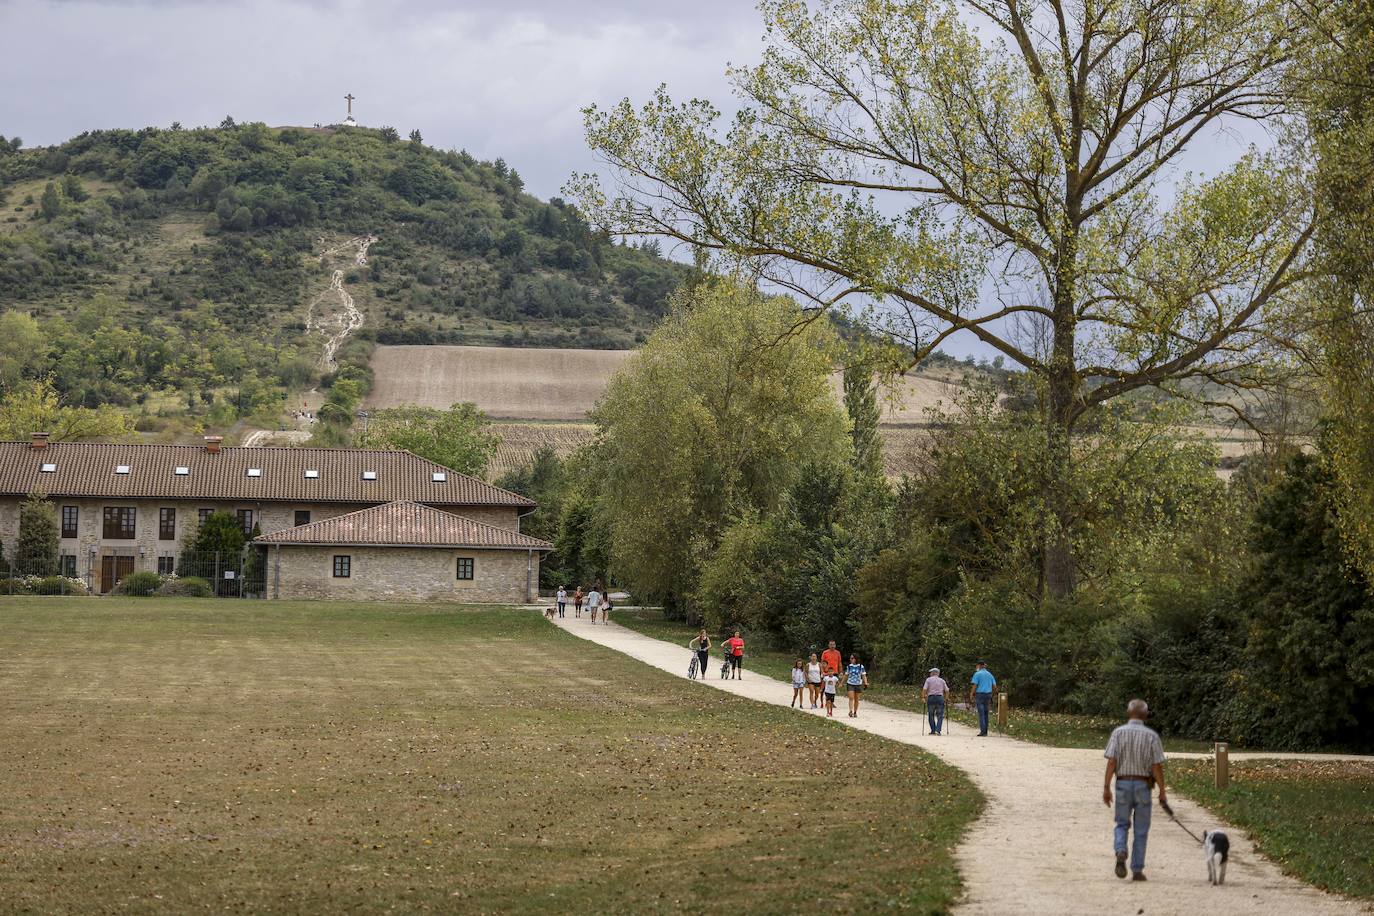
pixel 403 550
pixel 124 508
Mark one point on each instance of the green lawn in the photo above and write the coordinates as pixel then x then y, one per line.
pixel 323 757
pixel 1314 818
pixel 1054 729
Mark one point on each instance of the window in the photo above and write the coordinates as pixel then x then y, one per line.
pixel 47 468
pixel 311 475
pixel 255 472
pixel 302 517
pixel 246 520
pixel 166 524
pixel 120 523
pixel 369 475
pixel 68 565
pixel 166 565
pixel 181 471
pixel 465 569
pixel 70 516
pixel 203 514
pixel 121 469
pixel 438 477
pixel 343 567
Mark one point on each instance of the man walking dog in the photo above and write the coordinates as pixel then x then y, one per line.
pixel 1135 756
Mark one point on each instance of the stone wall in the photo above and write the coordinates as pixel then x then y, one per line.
pixel 401 574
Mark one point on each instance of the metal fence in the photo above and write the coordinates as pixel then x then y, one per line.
pixel 137 572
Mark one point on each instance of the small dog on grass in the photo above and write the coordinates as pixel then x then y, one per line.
pixel 1217 847
pixel 549 613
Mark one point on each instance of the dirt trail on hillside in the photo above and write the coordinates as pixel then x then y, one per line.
pixel 333 312
pixel 1043 846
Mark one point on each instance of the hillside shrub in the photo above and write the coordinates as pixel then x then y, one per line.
pixel 141 584
pixel 185 587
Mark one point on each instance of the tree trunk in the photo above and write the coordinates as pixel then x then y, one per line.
pixel 1058 573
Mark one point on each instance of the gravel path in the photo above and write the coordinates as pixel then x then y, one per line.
pixel 1044 845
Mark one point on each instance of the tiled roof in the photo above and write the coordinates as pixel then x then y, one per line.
pixel 403 524
pixel 278 474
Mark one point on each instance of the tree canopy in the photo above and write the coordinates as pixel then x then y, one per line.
pixel 458 438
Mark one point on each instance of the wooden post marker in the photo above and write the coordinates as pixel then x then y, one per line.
pixel 1223 766
pixel 1002 712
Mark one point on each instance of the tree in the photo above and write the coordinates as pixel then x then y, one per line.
pixel 861 403
pixel 892 151
pixel 35 551
pixel 51 202
pixel 712 418
pixel 227 123
pixel 73 189
pixel 36 407
pixel 415 137
pixel 1341 116
pixel 459 438
pixel 389 134
pixel 24 350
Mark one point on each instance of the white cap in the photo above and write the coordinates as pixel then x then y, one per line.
pixel 934 670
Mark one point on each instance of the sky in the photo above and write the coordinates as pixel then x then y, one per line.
pixel 499 78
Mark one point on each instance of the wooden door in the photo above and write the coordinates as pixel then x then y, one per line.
pixel 112 569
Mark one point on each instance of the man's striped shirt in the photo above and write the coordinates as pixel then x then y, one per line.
pixel 1136 748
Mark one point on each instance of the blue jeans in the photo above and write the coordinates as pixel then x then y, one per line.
pixel 1133 798
pixel 935 712
pixel 984 703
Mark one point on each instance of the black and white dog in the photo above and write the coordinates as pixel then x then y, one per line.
pixel 1216 846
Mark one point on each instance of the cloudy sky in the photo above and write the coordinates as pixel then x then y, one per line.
pixel 497 77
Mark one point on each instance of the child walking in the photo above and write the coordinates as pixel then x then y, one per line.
pixel 813 680
pixel 798 684
pixel 829 682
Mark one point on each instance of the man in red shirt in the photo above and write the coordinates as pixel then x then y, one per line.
pixel 831 660
pixel 734 651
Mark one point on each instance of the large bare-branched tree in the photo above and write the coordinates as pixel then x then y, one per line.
pixel 979 166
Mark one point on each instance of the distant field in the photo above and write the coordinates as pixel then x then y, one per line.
pixel 520 441
pixel 546 384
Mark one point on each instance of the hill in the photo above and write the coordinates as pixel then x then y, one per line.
pixel 207 254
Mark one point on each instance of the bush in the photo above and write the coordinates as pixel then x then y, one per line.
pixel 60 585
pixel 185 587
pixel 140 584
pixel 14 587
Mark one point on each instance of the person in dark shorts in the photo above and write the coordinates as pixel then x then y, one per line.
pixel 701 645
pixel 855 680
pixel 734 651
pixel 577 602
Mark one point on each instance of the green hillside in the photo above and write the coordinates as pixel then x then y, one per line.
pixel 178 262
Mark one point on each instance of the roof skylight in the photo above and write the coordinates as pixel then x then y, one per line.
pixel 369 475
pixel 255 472
pixel 121 469
pixel 181 471
pixel 48 467
pixel 438 477
pixel 311 474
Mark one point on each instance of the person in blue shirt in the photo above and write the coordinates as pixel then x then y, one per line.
pixel 856 679
pixel 984 685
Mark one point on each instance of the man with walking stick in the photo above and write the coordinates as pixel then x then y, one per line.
pixel 933 693
pixel 1135 756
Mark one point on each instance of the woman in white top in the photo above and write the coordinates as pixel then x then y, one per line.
pixel 562 600
pixel 813 680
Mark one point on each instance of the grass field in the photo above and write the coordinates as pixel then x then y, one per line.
pixel 1316 819
pixel 1054 729
pixel 298 757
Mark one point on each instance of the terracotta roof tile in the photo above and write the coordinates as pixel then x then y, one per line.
pixel 401 524
pixel 88 469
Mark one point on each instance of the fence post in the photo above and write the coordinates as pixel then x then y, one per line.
pixel 1223 765
pixel 216 573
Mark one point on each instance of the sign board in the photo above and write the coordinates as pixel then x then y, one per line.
pixel 228 574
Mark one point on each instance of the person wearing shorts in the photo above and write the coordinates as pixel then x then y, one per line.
pixel 577 602
pixel 734 651
pixel 831 660
pixel 855 680
pixel 813 680
pixel 828 684
pixel 593 602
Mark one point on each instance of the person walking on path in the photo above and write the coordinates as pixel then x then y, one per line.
pixel 606 606
pixel 855 679
pixel 830 681
pixel 734 652
pixel 577 602
pixel 933 693
pixel 562 600
pixel 701 645
pixel 813 680
pixel 983 686
pixel 798 685
pixel 831 660
pixel 593 602
pixel 1135 756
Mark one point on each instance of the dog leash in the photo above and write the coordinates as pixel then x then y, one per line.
pixel 1170 811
